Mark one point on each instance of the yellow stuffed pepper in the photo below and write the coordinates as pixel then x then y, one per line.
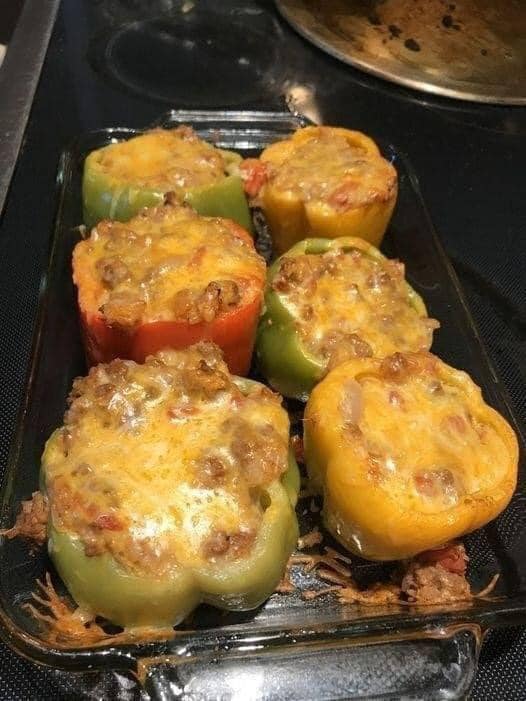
pixel 406 454
pixel 322 181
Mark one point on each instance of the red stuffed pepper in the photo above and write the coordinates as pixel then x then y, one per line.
pixel 168 278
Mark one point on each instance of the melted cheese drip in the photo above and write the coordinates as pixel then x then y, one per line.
pixel 165 250
pixel 162 160
pixel 426 443
pixel 144 457
pixel 320 166
pixel 351 298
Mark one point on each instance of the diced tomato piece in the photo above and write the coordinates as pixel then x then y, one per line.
pixel 254 174
pixel 108 522
pixel 451 557
pixel 340 197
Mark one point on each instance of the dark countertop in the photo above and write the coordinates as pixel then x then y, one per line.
pixel 470 160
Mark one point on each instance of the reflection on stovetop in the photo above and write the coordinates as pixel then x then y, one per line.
pixel 198 53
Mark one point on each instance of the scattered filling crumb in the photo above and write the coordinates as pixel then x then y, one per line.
pixel 31 521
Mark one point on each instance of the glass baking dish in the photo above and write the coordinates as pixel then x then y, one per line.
pixel 289 648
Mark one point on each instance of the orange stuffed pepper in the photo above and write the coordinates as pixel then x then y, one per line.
pixel 322 182
pixel 168 278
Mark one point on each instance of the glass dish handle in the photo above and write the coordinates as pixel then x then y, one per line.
pixel 438 664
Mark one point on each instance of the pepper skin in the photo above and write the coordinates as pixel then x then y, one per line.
pixel 106 195
pixel 233 330
pixel 101 585
pixel 288 366
pixel 406 454
pixel 291 216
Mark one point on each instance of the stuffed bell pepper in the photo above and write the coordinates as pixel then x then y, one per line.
pixel 122 178
pixel 322 181
pixel 328 300
pixel 168 278
pixel 407 455
pixel 170 484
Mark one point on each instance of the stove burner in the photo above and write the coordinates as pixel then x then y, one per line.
pixel 195 59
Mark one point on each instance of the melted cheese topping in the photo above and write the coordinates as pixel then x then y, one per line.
pixel 133 271
pixel 166 463
pixel 423 432
pixel 349 304
pixel 162 160
pixel 327 168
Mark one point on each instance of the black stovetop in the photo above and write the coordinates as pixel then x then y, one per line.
pixel 122 63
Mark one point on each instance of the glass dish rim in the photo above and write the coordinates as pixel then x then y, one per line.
pixel 399 625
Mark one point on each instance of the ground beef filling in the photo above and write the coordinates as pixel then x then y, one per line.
pixel 164 159
pixel 328 169
pixel 222 544
pixel 181 386
pixel 167 264
pixel 218 297
pixel 126 308
pixel 349 305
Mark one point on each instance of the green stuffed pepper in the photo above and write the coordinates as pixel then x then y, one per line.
pixel 328 300
pixel 122 178
pixel 170 484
